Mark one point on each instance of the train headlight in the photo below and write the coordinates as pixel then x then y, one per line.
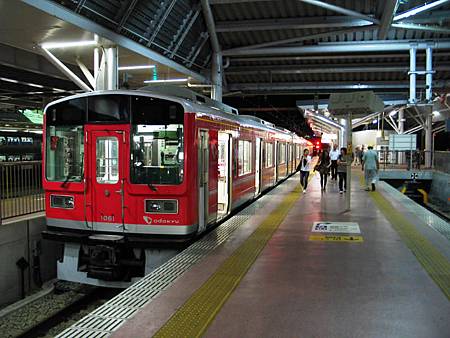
pixel 61 201
pixel 161 206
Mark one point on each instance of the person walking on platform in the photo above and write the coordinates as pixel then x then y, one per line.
pixel 334 155
pixel 323 167
pixel 343 160
pixel 305 167
pixel 370 165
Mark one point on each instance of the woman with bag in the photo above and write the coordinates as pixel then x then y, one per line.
pixel 323 166
pixel 305 163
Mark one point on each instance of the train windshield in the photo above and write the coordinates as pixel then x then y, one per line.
pixel 64 141
pixel 157 141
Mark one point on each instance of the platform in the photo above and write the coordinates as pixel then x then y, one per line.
pixel 274 277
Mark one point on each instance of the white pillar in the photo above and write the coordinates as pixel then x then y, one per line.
pixel 429 97
pixel 428 139
pixel 96 66
pixel 216 76
pixel 112 68
pixel 401 130
pixel 349 166
pixel 429 75
pixel 412 74
pixel 343 133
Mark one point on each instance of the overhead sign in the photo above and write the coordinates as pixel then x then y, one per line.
pixel 336 227
pixel 402 142
pixel 328 138
pixel 336 238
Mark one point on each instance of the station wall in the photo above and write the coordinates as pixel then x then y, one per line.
pixel 19 239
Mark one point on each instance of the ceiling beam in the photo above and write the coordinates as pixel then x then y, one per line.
pixel 303 38
pixel 427 28
pixel 341 10
pixel 82 22
pixel 330 57
pixel 389 9
pixel 289 23
pixel 320 86
pixel 314 69
pixel 229 2
pixel 347 47
pixel 210 24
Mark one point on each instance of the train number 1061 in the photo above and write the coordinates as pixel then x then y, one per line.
pixel 105 218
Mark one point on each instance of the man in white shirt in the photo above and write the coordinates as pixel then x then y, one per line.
pixel 334 155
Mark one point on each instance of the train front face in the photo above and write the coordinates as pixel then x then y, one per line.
pixel 116 180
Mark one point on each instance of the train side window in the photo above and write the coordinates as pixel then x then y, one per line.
pixel 282 153
pixel 245 157
pixel 269 155
pixel 107 151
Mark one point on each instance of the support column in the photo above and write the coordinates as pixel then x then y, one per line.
pixel 112 73
pixel 401 130
pixel 349 165
pixel 429 74
pixel 428 138
pixel 412 74
pixel 429 97
pixel 343 133
pixel 216 76
pixel 96 66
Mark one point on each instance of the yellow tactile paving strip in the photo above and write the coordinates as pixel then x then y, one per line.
pixel 435 264
pixel 193 318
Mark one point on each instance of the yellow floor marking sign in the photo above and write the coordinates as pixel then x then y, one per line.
pixel 193 317
pixel 336 238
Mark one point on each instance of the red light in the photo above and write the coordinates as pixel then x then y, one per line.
pixel 318 143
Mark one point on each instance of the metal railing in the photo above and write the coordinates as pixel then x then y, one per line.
pixel 21 190
pixel 441 161
pixel 402 160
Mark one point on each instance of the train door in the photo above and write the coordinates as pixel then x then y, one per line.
pixel 258 166
pixel 203 174
pixel 107 178
pixel 276 161
pixel 224 175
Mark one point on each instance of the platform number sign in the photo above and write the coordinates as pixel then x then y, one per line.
pixel 414 176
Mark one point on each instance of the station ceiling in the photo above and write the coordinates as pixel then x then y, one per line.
pixel 272 48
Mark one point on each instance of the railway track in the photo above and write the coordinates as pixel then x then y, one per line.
pixel 54 312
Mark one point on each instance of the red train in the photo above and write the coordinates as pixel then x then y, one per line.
pixel 127 172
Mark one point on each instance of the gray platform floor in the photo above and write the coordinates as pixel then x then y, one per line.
pixel 302 288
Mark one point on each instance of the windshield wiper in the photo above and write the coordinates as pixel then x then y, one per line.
pixel 152 187
pixel 63 184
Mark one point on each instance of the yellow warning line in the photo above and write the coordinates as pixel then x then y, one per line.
pixel 435 264
pixel 194 317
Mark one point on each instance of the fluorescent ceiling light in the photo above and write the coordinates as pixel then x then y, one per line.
pixel 393 113
pixel 167 81
pixel 136 67
pixel 34 85
pixel 8 80
pixel 419 9
pixel 58 90
pixel 53 45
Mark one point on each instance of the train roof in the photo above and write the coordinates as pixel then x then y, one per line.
pixel 191 101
